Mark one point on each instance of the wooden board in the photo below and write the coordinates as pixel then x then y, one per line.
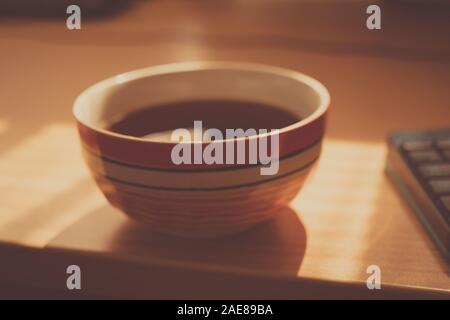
pixel 348 216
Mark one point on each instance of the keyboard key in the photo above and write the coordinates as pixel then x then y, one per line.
pixel 446 201
pixel 424 156
pixel 435 170
pixel 443 144
pixel 418 145
pixel 440 186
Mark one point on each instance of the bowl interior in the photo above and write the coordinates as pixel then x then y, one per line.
pixel 161 120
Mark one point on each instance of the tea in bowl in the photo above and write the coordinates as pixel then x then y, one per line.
pixel 202 149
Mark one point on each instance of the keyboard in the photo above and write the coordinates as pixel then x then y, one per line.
pixel 419 165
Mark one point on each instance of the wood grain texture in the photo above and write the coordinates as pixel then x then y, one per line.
pixel 348 216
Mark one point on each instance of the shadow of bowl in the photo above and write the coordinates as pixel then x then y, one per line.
pixel 276 246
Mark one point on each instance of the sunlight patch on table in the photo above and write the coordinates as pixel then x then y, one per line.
pixel 344 187
pixel 35 175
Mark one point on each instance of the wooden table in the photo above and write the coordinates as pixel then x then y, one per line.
pixel 347 217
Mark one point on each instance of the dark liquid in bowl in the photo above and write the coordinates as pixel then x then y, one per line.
pixel 220 114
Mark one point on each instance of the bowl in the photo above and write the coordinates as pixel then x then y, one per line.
pixel 139 176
